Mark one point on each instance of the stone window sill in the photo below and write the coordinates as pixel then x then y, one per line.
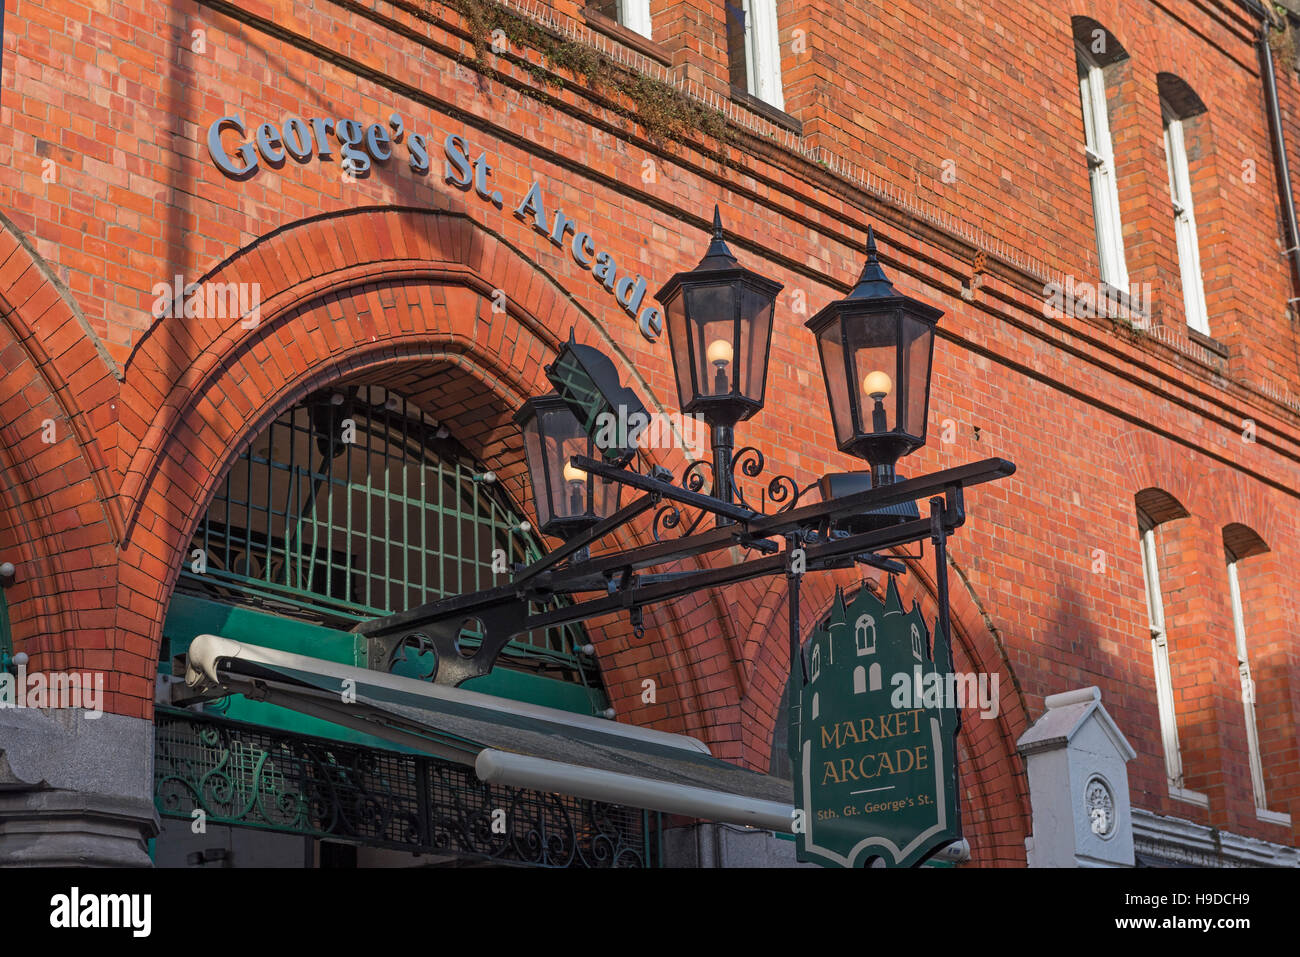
pixel 767 111
pixel 1191 797
pixel 1273 817
pixel 629 38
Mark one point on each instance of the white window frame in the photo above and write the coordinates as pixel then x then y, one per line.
pixel 635 15
pixel 1101 170
pixel 1189 252
pixel 1247 687
pixel 1163 673
pixel 763 52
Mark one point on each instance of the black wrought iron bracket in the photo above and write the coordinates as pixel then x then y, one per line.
pixel 507 610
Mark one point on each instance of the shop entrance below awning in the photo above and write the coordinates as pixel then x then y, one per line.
pixel 506 742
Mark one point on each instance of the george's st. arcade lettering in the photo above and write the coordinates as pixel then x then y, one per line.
pixel 360 147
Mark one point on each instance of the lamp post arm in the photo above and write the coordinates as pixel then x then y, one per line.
pixel 640 595
pixel 667 490
pixel 760 527
pixel 748 533
pixel 593 534
pixel 504 609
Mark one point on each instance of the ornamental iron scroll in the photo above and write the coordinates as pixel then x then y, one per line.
pixel 247 776
pixel 781 490
pixel 572 584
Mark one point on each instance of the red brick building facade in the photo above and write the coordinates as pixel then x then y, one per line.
pixel 954 129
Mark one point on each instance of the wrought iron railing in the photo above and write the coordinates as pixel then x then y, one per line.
pixel 247 776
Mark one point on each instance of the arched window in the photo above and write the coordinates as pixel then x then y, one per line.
pixel 1154 508
pixel 1240 543
pixel 1097 50
pixel 354 505
pixel 1180 106
pixel 864 635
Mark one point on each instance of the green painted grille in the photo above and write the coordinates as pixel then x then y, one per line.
pixel 354 505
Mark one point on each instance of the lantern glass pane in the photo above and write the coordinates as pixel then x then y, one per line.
pixel 537 472
pixel 569 493
pixel 755 339
pixel 711 311
pixel 680 342
pixel 604 495
pixel 832 355
pixel 918 345
pixel 872 340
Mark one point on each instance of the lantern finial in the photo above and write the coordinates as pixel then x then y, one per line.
pixel 717 256
pixel 872 283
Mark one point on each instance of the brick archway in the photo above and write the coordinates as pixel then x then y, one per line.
pixel 59 522
pixel 390 296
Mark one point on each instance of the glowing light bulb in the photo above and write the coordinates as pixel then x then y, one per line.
pixel 877 384
pixel 719 352
pixel 574 474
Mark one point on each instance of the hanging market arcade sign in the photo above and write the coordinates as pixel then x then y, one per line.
pixel 360 147
pixel 872 741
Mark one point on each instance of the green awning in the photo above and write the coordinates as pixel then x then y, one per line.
pixel 507 742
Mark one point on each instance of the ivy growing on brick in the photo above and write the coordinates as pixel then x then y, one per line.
pixel 663 111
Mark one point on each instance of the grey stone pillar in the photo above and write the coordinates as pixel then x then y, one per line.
pixel 1077 759
pixel 75 790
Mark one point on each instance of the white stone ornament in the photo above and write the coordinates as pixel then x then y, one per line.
pixel 1076 758
pixel 1101 806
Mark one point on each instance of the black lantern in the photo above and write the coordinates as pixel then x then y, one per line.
pixel 568 499
pixel 719 318
pixel 608 411
pixel 876 347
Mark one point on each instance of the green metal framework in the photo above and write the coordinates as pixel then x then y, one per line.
pixel 354 505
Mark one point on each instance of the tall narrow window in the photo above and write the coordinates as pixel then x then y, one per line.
pixel 754 50
pixel 1180 192
pixel 1247 683
pixel 633 14
pixel 1249 627
pixel 1160 653
pixel 1101 165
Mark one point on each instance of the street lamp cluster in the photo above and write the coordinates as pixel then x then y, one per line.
pixel 876 347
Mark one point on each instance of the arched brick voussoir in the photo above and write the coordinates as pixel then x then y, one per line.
pixel 1207 489
pixel 210 436
pixel 1240 501
pixel 1145 42
pixel 61 521
pixel 352 315
pixel 1151 462
pixel 383 251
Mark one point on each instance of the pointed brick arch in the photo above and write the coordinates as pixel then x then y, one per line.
pixel 388 296
pixel 59 523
